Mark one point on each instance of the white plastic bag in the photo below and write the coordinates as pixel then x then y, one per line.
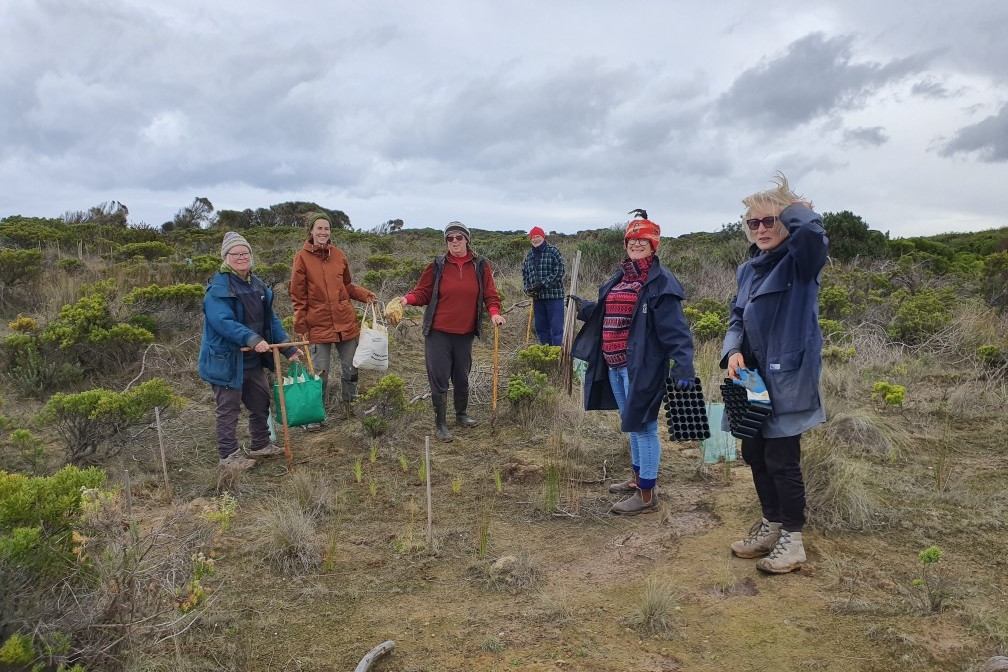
pixel 372 347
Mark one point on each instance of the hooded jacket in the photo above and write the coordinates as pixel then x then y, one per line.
pixel 225 333
pixel 774 322
pixel 320 290
pixel 659 334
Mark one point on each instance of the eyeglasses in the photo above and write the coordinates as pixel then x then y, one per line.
pixel 638 242
pixel 767 222
pixel 455 238
pixel 240 255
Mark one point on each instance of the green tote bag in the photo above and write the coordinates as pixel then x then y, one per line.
pixel 302 393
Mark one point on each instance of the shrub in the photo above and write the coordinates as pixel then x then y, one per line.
pixel 832 331
pixel 992 356
pixel 19 266
pixel 156 297
pixel 25 325
pixel 380 262
pixel 920 315
pixel 834 302
pixel 524 390
pixel 543 358
pixel 387 401
pixel 38 516
pixel 88 419
pixel 888 394
pixel 709 327
pixel 32 370
pixel 150 250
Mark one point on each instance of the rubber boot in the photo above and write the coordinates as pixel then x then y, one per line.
pixel 440 402
pixel 462 419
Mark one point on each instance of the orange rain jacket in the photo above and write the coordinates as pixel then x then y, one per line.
pixel 321 290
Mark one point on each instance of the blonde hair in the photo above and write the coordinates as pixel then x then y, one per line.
pixel 776 199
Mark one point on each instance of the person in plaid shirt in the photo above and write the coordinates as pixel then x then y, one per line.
pixel 542 276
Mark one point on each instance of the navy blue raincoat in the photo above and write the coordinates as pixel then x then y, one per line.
pixel 776 326
pixel 659 338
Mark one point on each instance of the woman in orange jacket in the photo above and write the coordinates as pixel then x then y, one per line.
pixel 321 290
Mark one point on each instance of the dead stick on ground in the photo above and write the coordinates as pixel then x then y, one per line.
pixel 365 664
pixel 164 462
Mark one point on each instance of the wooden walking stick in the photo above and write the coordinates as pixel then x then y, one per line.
pixel 570 319
pixel 275 347
pixel 493 406
pixel 528 329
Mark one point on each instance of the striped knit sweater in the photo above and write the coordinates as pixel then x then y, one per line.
pixel 619 309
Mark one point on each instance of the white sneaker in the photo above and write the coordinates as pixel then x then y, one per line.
pixel 269 450
pixel 787 556
pixel 760 541
pixel 236 462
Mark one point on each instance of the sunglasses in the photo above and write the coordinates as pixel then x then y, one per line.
pixel 767 223
pixel 455 238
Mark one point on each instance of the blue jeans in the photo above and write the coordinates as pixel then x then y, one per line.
pixel 549 320
pixel 645 448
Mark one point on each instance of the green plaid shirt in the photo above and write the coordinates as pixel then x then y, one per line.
pixel 546 269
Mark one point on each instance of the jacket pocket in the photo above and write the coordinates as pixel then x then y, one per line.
pixel 792 382
pixel 220 364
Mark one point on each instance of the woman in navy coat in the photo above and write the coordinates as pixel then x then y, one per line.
pixel 631 336
pixel 774 328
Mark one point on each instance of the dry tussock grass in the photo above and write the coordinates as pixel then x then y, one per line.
pixel 865 433
pixel 290 539
pixel 836 488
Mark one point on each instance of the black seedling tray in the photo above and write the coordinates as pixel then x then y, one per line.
pixel 686 412
pixel 745 419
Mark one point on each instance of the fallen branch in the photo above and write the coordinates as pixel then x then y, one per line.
pixel 365 664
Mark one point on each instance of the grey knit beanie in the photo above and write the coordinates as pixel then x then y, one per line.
pixel 232 239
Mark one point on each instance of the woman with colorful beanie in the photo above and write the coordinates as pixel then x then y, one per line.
pixel 455 287
pixel 321 291
pixel 632 335
pixel 542 277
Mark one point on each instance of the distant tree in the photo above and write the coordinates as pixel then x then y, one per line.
pixel 850 237
pixel 388 227
pixel 289 214
pixel 112 213
pixel 195 216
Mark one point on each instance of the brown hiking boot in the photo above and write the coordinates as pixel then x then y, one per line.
pixel 635 504
pixel 236 463
pixel 625 487
pixel 269 450
pixel 760 541
pixel 787 556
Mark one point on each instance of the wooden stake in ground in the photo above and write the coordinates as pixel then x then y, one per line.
pixel 570 319
pixel 430 501
pixel 164 462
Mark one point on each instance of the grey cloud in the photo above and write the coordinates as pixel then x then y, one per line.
pixel 814 77
pixel 874 136
pixel 929 87
pixel 988 139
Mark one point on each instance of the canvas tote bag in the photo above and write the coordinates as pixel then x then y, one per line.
pixel 372 346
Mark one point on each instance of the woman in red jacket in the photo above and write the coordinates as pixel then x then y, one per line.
pixel 321 290
pixel 456 287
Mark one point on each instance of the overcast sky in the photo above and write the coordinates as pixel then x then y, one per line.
pixel 505 115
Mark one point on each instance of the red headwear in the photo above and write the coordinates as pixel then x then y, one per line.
pixel 537 231
pixel 642 228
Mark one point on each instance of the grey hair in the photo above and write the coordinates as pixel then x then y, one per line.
pixel 777 199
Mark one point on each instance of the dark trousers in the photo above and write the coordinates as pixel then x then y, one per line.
pixel 776 473
pixel 449 360
pixel 255 394
pixel 549 319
